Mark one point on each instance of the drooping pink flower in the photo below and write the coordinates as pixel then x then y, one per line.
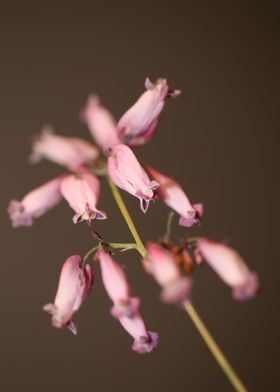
pixel 174 197
pixel 66 151
pixel 82 193
pixel 230 267
pixel 144 341
pixel 117 287
pixel 35 203
pixel 127 173
pixel 138 124
pixel 175 287
pixel 74 286
pixel 101 124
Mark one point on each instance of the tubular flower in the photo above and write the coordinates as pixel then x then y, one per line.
pixel 74 287
pixel 35 203
pixel 66 151
pixel 175 287
pixel 138 124
pixel 101 124
pixel 144 340
pixel 174 197
pixel 127 173
pixel 82 194
pixel 230 267
pixel 117 287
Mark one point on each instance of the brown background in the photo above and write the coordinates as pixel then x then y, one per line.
pixel 218 139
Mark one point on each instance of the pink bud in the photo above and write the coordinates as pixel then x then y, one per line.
pixel 230 267
pixel 144 340
pixel 82 194
pixel 117 287
pixel 74 287
pixel 66 151
pixel 138 124
pixel 35 203
pixel 127 173
pixel 100 123
pixel 175 287
pixel 174 197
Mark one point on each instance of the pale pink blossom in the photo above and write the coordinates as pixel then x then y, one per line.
pixel 144 341
pixel 66 151
pixel 101 124
pixel 230 267
pixel 82 193
pixel 162 265
pixel 127 173
pixel 35 203
pixel 74 286
pixel 174 197
pixel 117 287
pixel 138 124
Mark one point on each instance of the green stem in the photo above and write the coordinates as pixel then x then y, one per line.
pixel 214 348
pixel 200 326
pixel 126 215
pixel 88 254
pixel 169 223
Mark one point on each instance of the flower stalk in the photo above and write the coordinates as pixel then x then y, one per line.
pixel 191 311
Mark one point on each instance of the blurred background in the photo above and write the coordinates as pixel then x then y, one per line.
pixel 218 139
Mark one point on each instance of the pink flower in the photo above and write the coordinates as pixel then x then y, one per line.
pixel 230 267
pixel 35 203
pixel 144 340
pixel 74 286
pixel 82 194
pixel 66 151
pixel 127 173
pixel 175 287
pixel 117 287
pixel 138 124
pixel 173 195
pixel 100 123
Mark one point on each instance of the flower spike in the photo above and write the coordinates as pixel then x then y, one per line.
pixel 174 197
pixel 35 203
pixel 230 267
pixel 138 124
pixel 127 173
pixel 74 287
pixel 82 194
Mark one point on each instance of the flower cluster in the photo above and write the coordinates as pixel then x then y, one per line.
pixel 170 264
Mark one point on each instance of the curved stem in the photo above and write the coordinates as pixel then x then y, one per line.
pixel 126 215
pixel 200 326
pixel 214 348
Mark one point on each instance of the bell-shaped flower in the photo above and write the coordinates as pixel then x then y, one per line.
pixel 66 151
pixel 35 203
pixel 230 267
pixel 174 197
pixel 127 173
pixel 138 124
pixel 74 286
pixel 117 287
pixel 82 193
pixel 101 124
pixel 162 265
pixel 144 341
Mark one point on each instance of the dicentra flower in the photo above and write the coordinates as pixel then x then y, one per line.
pixel 82 193
pixel 230 267
pixel 74 286
pixel 35 203
pixel 127 173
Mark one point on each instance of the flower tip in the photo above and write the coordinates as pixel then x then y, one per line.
pixel 248 290
pixel 17 215
pixel 72 326
pixel 146 344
